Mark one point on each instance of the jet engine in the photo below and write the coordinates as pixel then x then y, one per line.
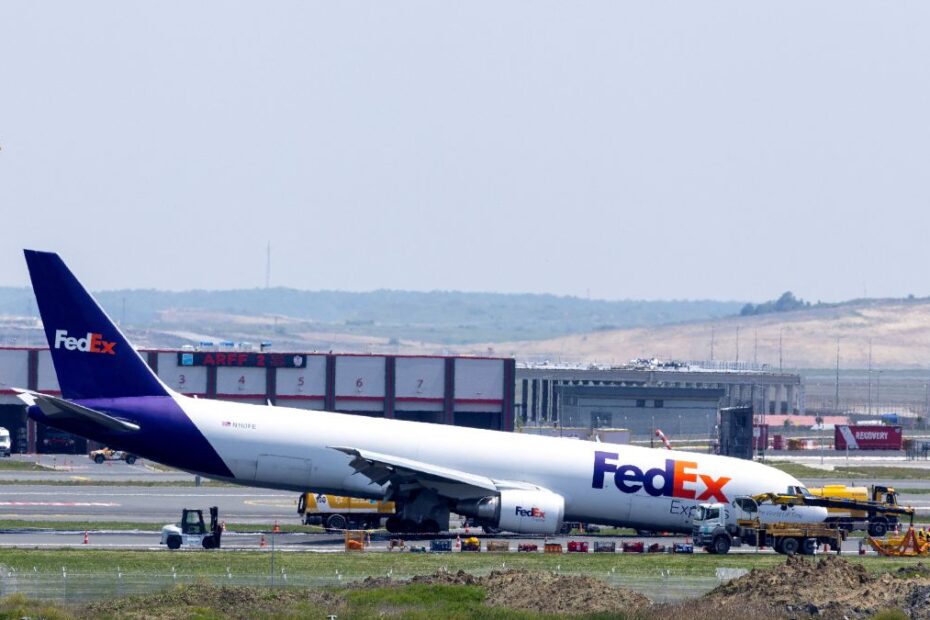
pixel 529 512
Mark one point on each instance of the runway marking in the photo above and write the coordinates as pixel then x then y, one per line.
pixel 69 504
pixel 270 502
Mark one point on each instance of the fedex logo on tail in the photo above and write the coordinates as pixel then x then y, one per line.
pixel 676 479
pixel 533 512
pixel 92 343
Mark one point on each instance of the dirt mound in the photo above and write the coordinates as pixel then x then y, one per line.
pixel 830 587
pixel 535 592
pixel 558 594
pixel 227 601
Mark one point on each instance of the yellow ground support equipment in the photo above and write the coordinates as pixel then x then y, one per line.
pixel 861 513
pixel 336 512
pixel 882 513
pixel 914 543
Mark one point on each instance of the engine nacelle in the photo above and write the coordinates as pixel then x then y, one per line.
pixel 527 512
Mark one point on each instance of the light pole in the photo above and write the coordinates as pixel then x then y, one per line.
pixel 878 392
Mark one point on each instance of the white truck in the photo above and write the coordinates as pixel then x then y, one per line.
pixel 5 445
pixel 760 522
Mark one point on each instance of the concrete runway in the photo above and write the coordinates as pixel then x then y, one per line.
pixel 146 504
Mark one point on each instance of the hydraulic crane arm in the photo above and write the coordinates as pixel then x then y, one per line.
pixel 834 502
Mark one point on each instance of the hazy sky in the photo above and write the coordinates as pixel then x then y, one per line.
pixel 630 149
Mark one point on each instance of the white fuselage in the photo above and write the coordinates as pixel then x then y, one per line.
pixel 285 448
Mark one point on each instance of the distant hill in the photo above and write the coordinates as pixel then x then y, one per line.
pixel 443 317
pixel 530 327
pixel 899 331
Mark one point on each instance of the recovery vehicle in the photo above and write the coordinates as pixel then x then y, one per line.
pixel 885 510
pixel 880 514
pixel 719 526
pixel 877 523
pixel 336 512
pixel 191 532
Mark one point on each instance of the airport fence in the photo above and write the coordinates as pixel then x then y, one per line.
pixel 74 587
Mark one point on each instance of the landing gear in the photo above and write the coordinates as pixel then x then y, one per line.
pixel 397 525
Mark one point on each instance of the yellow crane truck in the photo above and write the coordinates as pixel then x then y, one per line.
pixel 336 512
pixel 863 514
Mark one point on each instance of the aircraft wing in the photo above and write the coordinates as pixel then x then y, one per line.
pixel 59 408
pixel 407 475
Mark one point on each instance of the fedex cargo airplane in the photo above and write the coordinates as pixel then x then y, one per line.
pixel 515 482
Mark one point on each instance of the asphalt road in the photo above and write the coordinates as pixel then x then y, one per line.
pixel 79 467
pixel 147 504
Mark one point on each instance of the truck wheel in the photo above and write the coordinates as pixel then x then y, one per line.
pixel 99 459
pixel 209 542
pixel 808 546
pixel 878 528
pixel 721 545
pixel 130 459
pixel 336 522
pixel 789 546
pixel 174 542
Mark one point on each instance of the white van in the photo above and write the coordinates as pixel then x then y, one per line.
pixel 4 442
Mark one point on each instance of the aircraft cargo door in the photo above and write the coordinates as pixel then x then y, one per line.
pixel 283 470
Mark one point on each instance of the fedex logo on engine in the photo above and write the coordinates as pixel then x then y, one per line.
pixel 92 343
pixel 676 479
pixel 534 512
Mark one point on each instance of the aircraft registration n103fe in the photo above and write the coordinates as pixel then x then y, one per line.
pixel 520 483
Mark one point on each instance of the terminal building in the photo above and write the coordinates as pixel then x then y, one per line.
pixel 466 391
pixel 483 392
pixel 682 399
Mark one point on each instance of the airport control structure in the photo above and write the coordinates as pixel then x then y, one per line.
pixel 481 392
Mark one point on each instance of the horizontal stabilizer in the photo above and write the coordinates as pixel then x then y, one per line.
pixel 58 408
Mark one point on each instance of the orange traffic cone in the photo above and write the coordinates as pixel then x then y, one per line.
pixel 86 540
pixel 277 528
pixel 263 544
